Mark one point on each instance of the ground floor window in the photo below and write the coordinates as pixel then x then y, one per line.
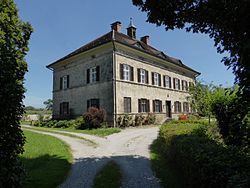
pixel 185 107
pixel 177 107
pixel 64 108
pixel 143 105
pixel 127 104
pixel 157 106
pixel 93 103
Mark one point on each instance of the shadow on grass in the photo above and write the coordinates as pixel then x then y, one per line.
pixel 136 171
pixel 46 171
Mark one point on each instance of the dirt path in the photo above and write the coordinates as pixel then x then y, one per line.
pixel 129 149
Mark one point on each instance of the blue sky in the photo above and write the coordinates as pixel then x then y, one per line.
pixel 61 26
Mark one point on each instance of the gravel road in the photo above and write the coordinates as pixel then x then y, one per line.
pixel 129 149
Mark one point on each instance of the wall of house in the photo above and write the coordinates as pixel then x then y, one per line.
pixel 79 90
pixel 136 90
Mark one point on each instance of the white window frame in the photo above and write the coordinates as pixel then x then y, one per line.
pixel 126 72
pixel 176 82
pixel 143 76
pixel 156 79
pixel 93 75
pixel 167 81
pixel 64 82
pixel 143 105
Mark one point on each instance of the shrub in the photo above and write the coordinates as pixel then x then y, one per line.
pixel 183 117
pixel 94 117
pixel 139 119
pixel 149 119
pixel 204 162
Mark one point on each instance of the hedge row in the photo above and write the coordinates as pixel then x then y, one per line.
pixel 195 150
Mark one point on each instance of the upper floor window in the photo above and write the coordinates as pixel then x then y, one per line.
pixel 142 76
pixel 177 107
pixel 93 103
pixel 127 104
pixel 157 106
pixel 156 79
pixel 64 82
pixel 185 107
pixel 93 74
pixel 167 81
pixel 184 85
pixel 126 72
pixel 143 105
pixel 177 84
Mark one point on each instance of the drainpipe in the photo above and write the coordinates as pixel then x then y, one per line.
pixel 114 77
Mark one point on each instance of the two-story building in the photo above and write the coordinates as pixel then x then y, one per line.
pixel 122 75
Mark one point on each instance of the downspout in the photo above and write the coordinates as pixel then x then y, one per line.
pixel 114 77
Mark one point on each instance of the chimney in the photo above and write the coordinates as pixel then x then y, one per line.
pixel 116 26
pixel 145 39
pixel 131 30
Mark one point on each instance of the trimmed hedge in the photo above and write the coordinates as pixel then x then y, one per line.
pixel 197 152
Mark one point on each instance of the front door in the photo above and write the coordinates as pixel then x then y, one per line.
pixel 168 109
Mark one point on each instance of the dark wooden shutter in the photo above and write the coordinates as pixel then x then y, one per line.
pixel 131 73
pixel 61 82
pixel 97 73
pixel 88 104
pixel 139 75
pixel 153 105
pixel 174 83
pixel 121 72
pixel 67 81
pixel 164 81
pixel 67 107
pixel 159 79
pixel 170 83
pixel 182 85
pixel 88 75
pixel 153 81
pixel 160 106
pixel 179 84
pixel 139 105
pixel 146 77
pixel 148 106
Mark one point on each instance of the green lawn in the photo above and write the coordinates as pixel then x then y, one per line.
pixel 47 160
pixel 110 176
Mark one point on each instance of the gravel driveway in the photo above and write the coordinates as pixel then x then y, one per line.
pixel 129 149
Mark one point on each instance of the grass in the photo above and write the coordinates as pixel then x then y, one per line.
pixel 110 176
pixel 47 160
pixel 90 142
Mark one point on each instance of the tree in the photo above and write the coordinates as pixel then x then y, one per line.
pixel 49 104
pixel 14 37
pixel 226 21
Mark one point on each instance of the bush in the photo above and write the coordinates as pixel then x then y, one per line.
pixel 74 123
pixel 183 117
pixel 94 117
pixel 149 119
pixel 204 162
pixel 139 120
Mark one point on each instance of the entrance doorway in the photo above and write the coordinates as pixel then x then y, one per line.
pixel 168 109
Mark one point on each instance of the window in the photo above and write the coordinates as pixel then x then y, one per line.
pixel 177 84
pixel 93 103
pixel 156 79
pixel 64 82
pixel 64 108
pixel 127 104
pixel 167 81
pixel 143 105
pixel 184 85
pixel 93 74
pixel 177 107
pixel 126 72
pixel 142 76
pixel 185 107
pixel 157 106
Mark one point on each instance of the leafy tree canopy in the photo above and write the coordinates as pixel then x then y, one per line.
pixel 226 21
pixel 14 37
pixel 48 104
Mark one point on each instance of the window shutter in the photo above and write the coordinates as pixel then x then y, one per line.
pixel 88 75
pixel 121 72
pixel 182 85
pixel 97 73
pixel 179 84
pixel 164 81
pixel 159 79
pixel 139 105
pixel 148 106
pixel 174 83
pixel 67 81
pixel 170 82
pixel 160 106
pixel 88 104
pixel 146 76
pixel 139 75
pixel 153 82
pixel 153 105
pixel 61 108
pixel 61 82
pixel 98 103
pixel 131 73
pixel 67 107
